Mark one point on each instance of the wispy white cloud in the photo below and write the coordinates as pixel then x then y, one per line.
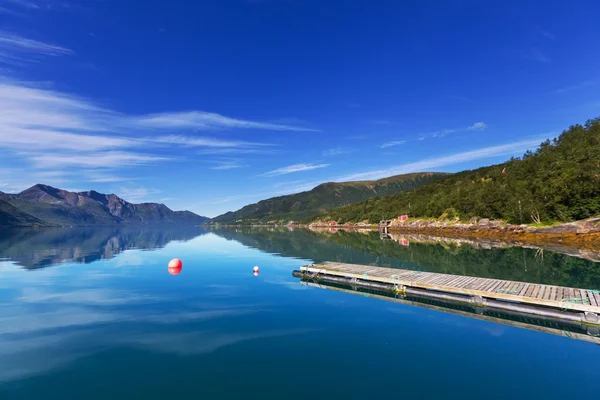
pixel 333 152
pixel 17 49
pixel 228 199
pixel 237 151
pixel 51 129
pixel 204 142
pixel 477 126
pixel 136 194
pixel 14 180
pixel 209 121
pixel 429 164
pixel 392 143
pixel 104 159
pixel 578 86
pixel 293 168
pixel 100 177
pixel 4 10
pixel 227 164
pixel 32 138
pixel 24 3
pixel 438 133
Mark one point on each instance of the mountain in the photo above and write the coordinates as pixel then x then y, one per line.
pixel 305 205
pixel 45 205
pixel 559 182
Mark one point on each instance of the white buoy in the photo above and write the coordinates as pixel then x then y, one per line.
pixel 256 268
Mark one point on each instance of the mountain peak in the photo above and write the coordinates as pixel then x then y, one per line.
pixel 54 206
pixel 41 186
pixel 39 191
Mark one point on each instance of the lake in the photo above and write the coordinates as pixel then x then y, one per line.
pixel 95 313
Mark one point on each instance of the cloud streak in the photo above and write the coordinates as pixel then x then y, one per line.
pixel 477 126
pixel 392 143
pixel 105 159
pixel 24 3
pixel 576 87
pixel 137 194
pixel 428 164
pixel 204 142
pixel 17 50
pixel 333 152
pixel 227 164
pixel 293 168
pixel 209 121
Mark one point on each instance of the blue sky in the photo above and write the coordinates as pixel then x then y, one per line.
pixel 211 105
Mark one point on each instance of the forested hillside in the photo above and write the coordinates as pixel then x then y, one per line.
pixel 560 181
pixel 305 205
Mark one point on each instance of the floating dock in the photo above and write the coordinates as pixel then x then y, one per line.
pixel 542 301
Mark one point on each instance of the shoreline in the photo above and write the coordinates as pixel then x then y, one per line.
pixel 584 235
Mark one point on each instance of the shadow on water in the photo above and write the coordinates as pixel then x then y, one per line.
pixel 39 248
pixel 423 253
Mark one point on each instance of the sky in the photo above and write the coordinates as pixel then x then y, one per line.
pixel 211 105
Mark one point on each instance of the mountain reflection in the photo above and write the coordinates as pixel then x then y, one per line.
pixel 420 252
pixel 39 248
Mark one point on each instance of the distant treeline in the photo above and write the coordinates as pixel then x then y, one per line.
pixel 560 181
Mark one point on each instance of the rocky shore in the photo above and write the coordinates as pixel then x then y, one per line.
pixel 580 234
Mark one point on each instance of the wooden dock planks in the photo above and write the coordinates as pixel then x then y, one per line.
pixel 575 299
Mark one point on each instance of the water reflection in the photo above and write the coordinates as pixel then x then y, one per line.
pixel 39 248
pixel 427 253
pixel 571 329
pixel 135 332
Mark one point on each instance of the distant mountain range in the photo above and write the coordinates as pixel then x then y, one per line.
pixel 43 205
pixel 309 204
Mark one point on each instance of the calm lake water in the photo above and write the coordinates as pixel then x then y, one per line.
pixel 94 313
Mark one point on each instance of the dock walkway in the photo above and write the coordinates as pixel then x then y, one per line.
pixel 554 301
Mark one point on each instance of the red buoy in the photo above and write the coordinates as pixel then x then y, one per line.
pixel 175 266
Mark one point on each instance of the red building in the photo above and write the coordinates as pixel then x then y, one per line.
pixel 332 223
